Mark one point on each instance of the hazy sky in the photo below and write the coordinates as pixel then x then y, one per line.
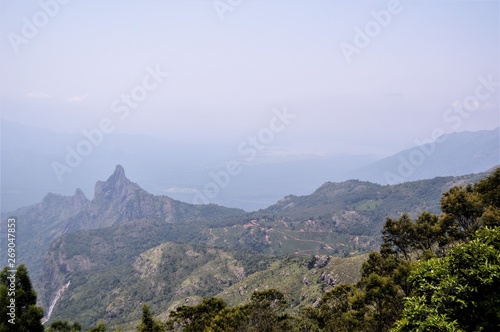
pixel 360 76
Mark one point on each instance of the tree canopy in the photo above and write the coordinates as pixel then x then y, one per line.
pixel 18 302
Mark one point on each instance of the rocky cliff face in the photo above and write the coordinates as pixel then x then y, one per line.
pixel 116 201
pixel 116 188
pixel 40 224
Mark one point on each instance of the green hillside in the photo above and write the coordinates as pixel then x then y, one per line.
pixel 109 280
pixel 94 249
pixel 432 273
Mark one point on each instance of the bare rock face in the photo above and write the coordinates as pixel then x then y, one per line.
pixel 319 261
pixel 116 188
pixel 329 279
pixel 118 200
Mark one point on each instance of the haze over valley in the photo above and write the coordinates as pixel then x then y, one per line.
pixel 242 166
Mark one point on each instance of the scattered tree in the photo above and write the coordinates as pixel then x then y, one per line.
pixel 64 326
pixel 399 233
pixel 148 323
pixel 100 327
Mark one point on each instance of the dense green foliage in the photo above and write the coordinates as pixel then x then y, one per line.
pixel 458 291
pixel 265 312
pixel 64 326
pixel 461 290
pixel 18 310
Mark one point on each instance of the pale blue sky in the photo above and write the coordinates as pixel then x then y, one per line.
pixel 226 76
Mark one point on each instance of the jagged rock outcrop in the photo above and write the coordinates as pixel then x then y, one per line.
pixel 329 279
pixel 116 201
pixel 320 261
pixel 116 188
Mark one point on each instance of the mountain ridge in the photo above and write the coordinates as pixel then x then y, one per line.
pixel 116 200
pixel 453 154
pixel 28 175
pixel 73 239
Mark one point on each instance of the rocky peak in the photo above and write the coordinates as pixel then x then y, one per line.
pixel 78 200
pixel 79 197
pixel 51 199
pixel 115 187
pixel 60 202
pixel 118 174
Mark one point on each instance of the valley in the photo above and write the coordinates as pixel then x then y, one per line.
pixel 98 260
pixel 249 166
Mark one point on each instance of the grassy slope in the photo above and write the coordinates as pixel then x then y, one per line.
pixel 291 275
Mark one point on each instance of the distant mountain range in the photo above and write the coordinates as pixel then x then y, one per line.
pixel 116 243
pixel 181 171
pixel 450 155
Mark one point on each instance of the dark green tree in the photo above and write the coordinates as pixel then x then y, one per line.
pixel 266 311
pixel 427 234
pixel 489 189
pixel 64 326
pixel 148 324
pixel 100 327
pixel 17 286
pixel 340 309
pixel 399 234
pixel 462 207
pixel 230 320
pixel 384 285
pixel 196 318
